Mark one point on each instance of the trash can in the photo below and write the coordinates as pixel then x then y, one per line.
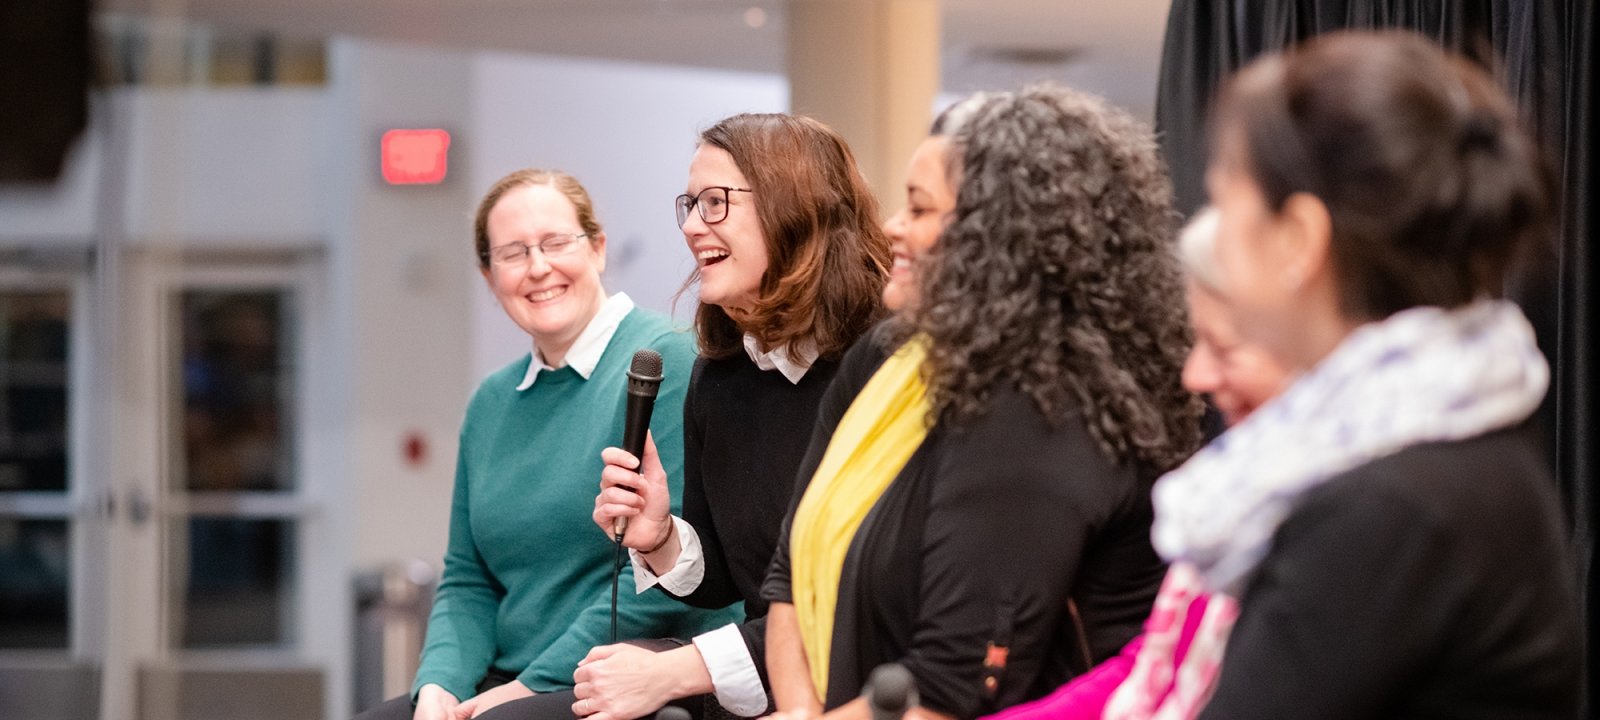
pixel 392 606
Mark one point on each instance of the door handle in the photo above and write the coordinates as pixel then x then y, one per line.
pixel 138 506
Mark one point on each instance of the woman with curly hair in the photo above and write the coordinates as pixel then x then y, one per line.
pixel 978 507
pixel 1169 671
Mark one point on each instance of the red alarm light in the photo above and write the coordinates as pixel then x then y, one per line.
pixel 415 157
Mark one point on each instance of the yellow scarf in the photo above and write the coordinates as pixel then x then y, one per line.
pixel 883 426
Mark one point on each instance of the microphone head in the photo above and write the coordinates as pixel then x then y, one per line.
pixel 891 689
pixel 672 712
pixel 646 365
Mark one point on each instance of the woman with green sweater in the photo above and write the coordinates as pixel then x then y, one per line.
pixel 526 589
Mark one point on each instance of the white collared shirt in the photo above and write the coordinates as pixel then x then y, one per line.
pixel 734 678
pixel 585 352
pixel 778 358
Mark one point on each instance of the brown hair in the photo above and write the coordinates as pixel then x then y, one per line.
pixel 827 257
pixel 1431 185
pixel 565 184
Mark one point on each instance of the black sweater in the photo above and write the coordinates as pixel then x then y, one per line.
pixel 983 536
pixel 1429 584
pixel 745 431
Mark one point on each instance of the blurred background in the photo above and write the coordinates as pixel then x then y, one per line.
pixel 234 354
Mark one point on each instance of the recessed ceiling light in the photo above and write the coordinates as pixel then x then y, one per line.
pixel 755 17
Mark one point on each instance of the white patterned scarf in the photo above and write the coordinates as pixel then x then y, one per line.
pixel 1422 375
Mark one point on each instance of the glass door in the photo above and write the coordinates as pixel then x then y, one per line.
pixel 160 514
pixel 231 518
pixel 232 510
pixel 49 527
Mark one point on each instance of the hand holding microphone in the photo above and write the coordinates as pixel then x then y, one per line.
pixel 634 502
pixel 634 492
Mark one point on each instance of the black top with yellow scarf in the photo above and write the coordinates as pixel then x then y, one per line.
pixel 963 569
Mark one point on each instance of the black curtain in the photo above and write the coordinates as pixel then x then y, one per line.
pixel 1543 53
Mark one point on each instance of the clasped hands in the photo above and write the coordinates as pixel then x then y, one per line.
pixel 624 682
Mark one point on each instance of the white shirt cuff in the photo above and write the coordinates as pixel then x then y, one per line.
pixel 733 671
pixel 685 574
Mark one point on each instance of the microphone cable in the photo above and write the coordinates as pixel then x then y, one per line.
pixel 616 578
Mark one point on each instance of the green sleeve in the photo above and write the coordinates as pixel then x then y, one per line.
pixel 461 629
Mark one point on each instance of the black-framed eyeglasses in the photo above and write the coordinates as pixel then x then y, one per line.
pixel 712 201
pixel 516 254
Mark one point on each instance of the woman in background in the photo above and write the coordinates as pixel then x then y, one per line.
pixel 1390 531
pixel 978 507
pixel 526 587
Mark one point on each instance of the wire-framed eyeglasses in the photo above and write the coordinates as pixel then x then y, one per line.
pixel 516 254
pixel 712 201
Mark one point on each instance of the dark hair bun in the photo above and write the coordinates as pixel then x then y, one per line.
pixel 1432 185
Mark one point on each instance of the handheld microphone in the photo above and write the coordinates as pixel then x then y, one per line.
pixel 890 691
pixel 672 712
pixel 644 381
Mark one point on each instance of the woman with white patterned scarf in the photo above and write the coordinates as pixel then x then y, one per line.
pixel 1389 529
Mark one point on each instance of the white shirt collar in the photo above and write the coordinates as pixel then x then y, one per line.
pixel 585 352
pixel 778 358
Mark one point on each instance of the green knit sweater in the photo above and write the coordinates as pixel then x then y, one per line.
pixel 527 575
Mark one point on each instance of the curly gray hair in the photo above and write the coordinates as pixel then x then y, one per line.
pixel 1057 275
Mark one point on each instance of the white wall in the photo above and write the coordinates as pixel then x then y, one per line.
pixel 398 293
pixel 625 130
pixel 396 363
pixel 206 168
pixel 226 167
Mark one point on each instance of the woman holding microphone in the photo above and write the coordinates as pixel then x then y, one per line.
pixel 790 264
